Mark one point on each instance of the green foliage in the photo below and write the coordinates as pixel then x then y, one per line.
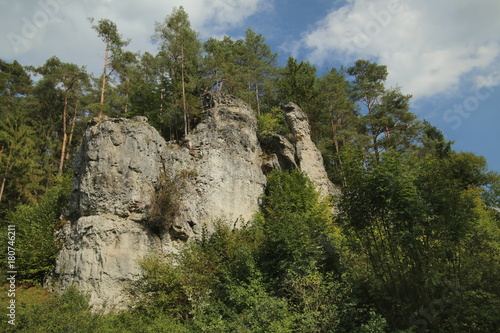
pixel 387 124
pixel 243 68
pixel 180 54
pixel 35 224
pixel 296 225
pixel 108 32
pixel 279 273
pixel 67 312
pixel 214 286
pixel 335 123
pixel 423 234
pixel 20 174
pixel 296 83
pixel 164 204
pixel 272 122
pixel 70 312
pixel 166 201
pixel 415 247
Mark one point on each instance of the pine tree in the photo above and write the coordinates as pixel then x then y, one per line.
pixel 224 65
pixel 388 122
pixel 67 82
pixel 108 32
pixel 181 52
pixel 20 170
pixel 296 83
pixel 260 64
pixel 334 122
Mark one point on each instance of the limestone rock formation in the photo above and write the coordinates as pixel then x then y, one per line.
pixel 225 154
pixel 119 168
pixel 116 169
pixel 309 158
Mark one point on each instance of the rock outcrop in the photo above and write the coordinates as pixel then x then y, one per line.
pixel 116 169
pixel 119 168
pixel 308 157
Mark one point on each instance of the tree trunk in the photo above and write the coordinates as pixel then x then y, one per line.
pixel 72 130
pixel 2 187
pixel 337 148
pixel 375 148
pixel 184 108
pixel 127 94
pixel 65 136
pixel 257 97
pixel 6 172
pixel 335 140
pixel 104 70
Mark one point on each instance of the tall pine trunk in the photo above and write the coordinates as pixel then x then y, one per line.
pixel 184 107
pixel 65 136
pixel 72 130
pixel 257 97
pixel 5 174
pixel 103 85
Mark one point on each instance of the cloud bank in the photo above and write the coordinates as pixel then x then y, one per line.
pixel 34 30
pixel 429 47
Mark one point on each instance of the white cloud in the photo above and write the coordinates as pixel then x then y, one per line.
pixel 428 46
pixel 32 31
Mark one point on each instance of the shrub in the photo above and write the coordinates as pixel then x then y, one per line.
pixel 166 201
pixel 36 246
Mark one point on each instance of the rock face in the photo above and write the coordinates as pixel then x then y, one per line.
pixel 119 167
pixel 225 154
pixel 309 158
pixel 116 169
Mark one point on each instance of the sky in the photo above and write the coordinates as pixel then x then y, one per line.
pixel 445 53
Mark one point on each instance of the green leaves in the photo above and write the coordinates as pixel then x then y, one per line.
pixel 243 67
pixel 296 83
pixel 415 219
pixel 35 226
pixel 388 123
pixel 108 32
pixel 181 54
pixel 368 82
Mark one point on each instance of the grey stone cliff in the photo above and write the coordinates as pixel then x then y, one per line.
pixel 118 169
pixel 308 157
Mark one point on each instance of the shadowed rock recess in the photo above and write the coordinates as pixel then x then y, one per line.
pixel 220 169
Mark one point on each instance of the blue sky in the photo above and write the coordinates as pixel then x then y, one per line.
pixel 446 54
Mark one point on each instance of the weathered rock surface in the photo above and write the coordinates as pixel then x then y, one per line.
pixel 118 169
pixel 225 154
pixel 308 157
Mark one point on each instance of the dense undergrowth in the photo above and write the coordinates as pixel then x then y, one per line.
pixel 297 268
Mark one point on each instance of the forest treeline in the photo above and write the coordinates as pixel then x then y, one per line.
pixel 414 246
pixel 44 109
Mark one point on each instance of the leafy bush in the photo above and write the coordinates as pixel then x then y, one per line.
pixel 272 122
pixel 279 273
pixel 422 239
pixel 166 201
pixel 36 245
pixel 68 312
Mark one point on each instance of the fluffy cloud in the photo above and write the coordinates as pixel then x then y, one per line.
pixel 429 46
pixel 34 30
